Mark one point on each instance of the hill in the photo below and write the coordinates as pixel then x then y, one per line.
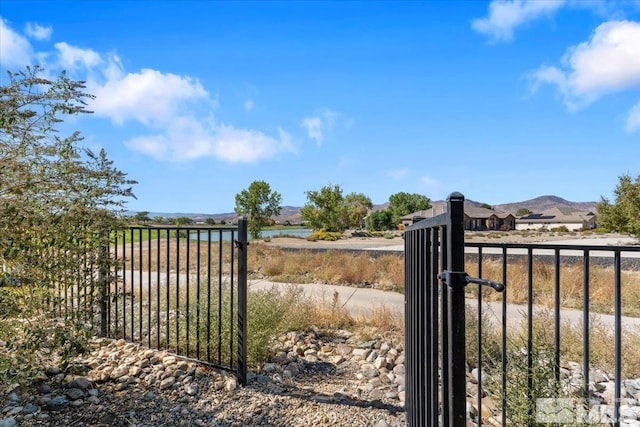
pixel 542 203
pixel 291 214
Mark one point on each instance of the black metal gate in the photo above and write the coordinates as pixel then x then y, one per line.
pixel 183 289
pixel 435 318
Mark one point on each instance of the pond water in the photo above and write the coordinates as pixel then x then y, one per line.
pixel 226 235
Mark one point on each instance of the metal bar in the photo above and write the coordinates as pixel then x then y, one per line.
pixel 198 296
pixel 585 324
pixel 158 290
pixel 131 235
pixel 209 295
pixel 479 340
pixel 408 336
pixel 456 313
pixel 445 364
pixel 231 298
pixel 556 314
pixel 530 332
pixel 178 290
pixel 242 300
pixel 117 284
pixel 219 360
pixel 617 286
pixel 168 281
pixel 420 291
pixel 149 295
pixel 503 358
pixel 103 285
pixel 434 329
pixel 140 281
pixel 188 300
pixel 124 285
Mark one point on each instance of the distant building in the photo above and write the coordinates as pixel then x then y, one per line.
pixel 558 217
pixel 475 218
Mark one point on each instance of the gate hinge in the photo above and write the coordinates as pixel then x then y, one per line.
pixel 461 279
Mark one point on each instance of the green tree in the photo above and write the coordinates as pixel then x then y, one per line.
pixel 379 220
pixel 159 219
pixel 523 212
pixel 142 216
pixel 182 220
pixel 210 221
pixel 325 209
pixel 401 204
pixel 623 215
pixel 258 203
pixel 357 206
pixel 56 197
pixel 486 206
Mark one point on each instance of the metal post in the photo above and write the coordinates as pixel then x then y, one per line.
pixel 242 244
pixel 103 274
pixel 456 313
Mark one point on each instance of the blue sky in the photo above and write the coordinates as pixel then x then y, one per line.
pixel 503 101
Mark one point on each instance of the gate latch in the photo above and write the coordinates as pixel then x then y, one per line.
pixel 457 278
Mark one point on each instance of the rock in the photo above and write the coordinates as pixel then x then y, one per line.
pixel 81 382
pixel 57 403
pixel 167 382
pixel 191 389
pixel 8 422
pixel 74 393
pixel 230 384
pixel 52 370
pixel 30 408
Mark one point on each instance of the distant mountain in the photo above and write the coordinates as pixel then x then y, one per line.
pixel 542 203
pixel 292 213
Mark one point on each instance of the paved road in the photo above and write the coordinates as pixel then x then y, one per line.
pixel 361 301
pixel 564 252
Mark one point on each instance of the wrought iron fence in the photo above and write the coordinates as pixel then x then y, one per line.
pixel 183 289
pixel 438 333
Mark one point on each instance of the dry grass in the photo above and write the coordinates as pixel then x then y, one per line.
pixel 387 272
pixel 601 285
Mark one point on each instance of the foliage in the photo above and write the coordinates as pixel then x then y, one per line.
pixel 401 204
pixel 182 220
pixel 210 221
pixel 142 216
pixel 259 203
pixel 379 221
pixel 624 214
pixel 325 209
pixel 322 234
pixel 523 212
pixel 486 206
pixel 357 206
pixel 58 203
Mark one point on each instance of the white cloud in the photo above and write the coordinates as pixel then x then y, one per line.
pixel 188 139
pixel 317 125
pixel 248 105
pixel 608 62
pixel 74 58
pixel 397 174
pixel 37 31
pixel 505 16
pixel 633 119
pixel 149 97
pixel 16 50
pixel 314 126
pixel 175 112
